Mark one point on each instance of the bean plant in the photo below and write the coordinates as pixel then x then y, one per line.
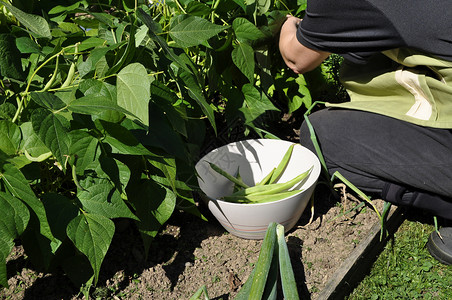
pixel 106 105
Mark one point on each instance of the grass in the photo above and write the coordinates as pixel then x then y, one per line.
pixel 405 269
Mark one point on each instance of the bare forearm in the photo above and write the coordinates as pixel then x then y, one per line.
pixel 297 57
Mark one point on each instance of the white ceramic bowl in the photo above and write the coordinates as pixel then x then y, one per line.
pixel 254 159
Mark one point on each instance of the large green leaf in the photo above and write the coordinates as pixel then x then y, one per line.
pixel 65 9
pixel 94 57
pixel 92 235
pixel 27 45
pixel 14 217
pixel 141 34
pixel 162 135
pixel 90 42
pixel 31 142
pixel 302 96
pixel 40 251
pixel 19 187
pixel 36 24
pixel 122 141
pixel 10 58
pixel 302 4
pixel 256 103
pixel 152 25
pixel 47 100
pixel 195 92
pixel 168 167
pixel 103 199
pixel 10 137
pixel 263 6
pixel 245 30
pixel 53 130
pixel 97 87
pixel 92 87
pixel 165 98
pixel 134 91
pixel 196 8
pixel 95 104
pixel 7 111
pixel 243 58
pixel 6 244
pixel 154 205
pixel 84 148
pixel 60 211
pixel 128 54
pixel 193 31
pixel 107 19
pixel 114 170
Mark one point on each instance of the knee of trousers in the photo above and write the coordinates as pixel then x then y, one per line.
pixel 435 204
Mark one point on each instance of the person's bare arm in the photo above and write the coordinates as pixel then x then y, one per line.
pixel 297 57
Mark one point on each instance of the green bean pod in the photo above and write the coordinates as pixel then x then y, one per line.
pixel 70 75
pixel 226 44
pixel 282 165
pixel 261 198
pixel 54 75
pixel 40 158
pixel 227 175
pixel 274 188
pixel 239 177
pixel 266 178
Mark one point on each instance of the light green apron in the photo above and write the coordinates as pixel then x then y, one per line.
pixel 403 84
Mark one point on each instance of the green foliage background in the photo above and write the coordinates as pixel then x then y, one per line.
pixel 105 107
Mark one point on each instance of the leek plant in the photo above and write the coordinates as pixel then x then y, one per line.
pixel 273 265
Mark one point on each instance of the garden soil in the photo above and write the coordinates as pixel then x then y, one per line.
pixel 190 253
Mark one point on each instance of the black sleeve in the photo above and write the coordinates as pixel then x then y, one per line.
pixel 355 29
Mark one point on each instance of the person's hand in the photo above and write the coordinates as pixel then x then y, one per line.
pixel 297 57
pixel 286 40
pixel 290 26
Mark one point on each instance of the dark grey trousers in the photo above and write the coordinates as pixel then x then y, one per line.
pixel 405 163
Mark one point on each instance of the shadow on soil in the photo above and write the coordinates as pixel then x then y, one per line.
pixel 125 260
pixel 174 247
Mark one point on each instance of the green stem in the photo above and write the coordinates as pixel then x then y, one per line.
pixel 287 8
pixel 356 190
pixel 315 141
pixel 386 208
pixel 214 7
pixel 156 73
pixel 435 221
pixel 108 76
pixel 24 94
pixel 39 68
pixel 180 7
pixel 62 88
pixel 74 178
pixel 19 108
